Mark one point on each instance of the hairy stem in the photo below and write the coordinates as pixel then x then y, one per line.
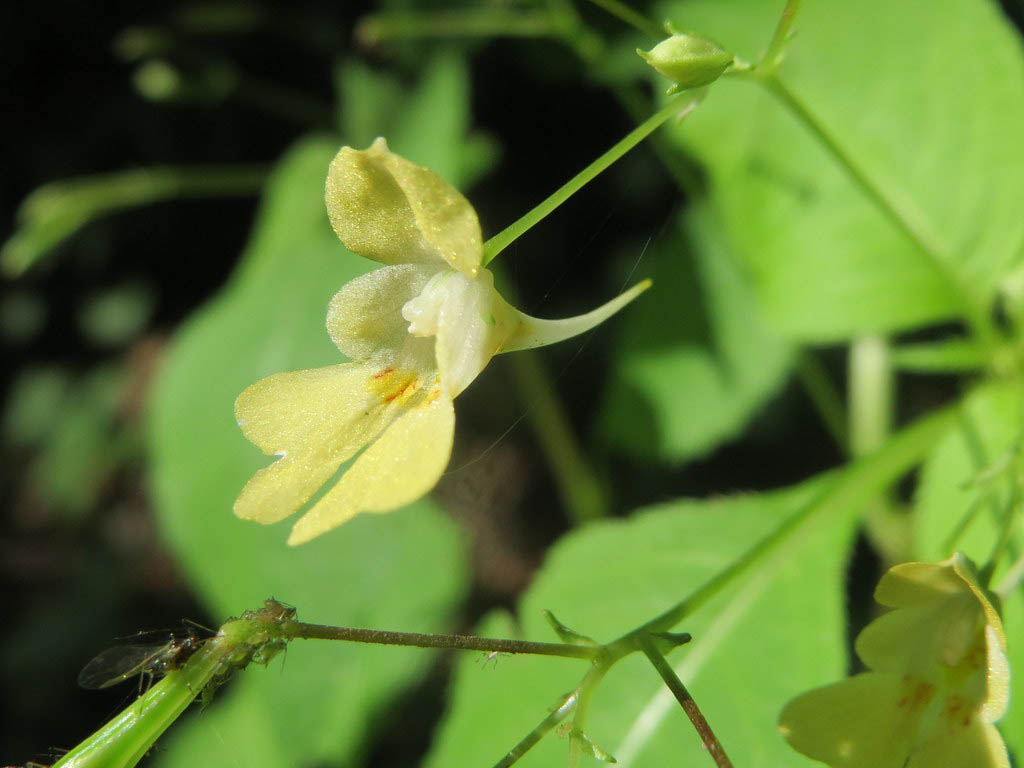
pixel 298 630
pixel 674 684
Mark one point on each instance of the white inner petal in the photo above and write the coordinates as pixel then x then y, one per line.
pixel 423 311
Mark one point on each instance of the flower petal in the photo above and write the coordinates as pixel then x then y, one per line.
pixel 971 744
pixel 534 332
pixel 365 316
pixel 315 420
pixel 390 210
pixel 997 665
pixel 868 721
pixel 919 638
pixel 912 583
pixel 403 464
pixel 473 324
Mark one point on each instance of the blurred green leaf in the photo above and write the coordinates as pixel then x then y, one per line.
pixel 782 626
pixel 117 315
pixel 22 316
pixel 405 570
pixel 83 444
pixel 695 360
pixel 982 454
pixel 930 101
pixel 33 406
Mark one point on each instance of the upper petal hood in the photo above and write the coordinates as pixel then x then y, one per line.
pixel 390 210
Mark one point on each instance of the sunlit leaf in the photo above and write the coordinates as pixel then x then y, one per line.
pixel 782 626
pixel 930 102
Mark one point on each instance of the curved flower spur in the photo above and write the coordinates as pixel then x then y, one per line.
pixel 417 332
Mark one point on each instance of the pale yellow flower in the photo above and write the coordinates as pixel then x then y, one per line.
pixel 417 331
pixel 939 680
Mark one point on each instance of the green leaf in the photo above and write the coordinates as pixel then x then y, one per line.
pixel 695 360
pixel 405 570
pixel 772 635
pixel 978 456
pixel 929 102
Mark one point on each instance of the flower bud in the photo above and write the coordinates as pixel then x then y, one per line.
pixel 688 59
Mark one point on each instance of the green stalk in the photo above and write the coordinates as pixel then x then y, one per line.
pixel 633 18
pixel 854 486
pixel 491 22
pixel 126 739
pixel 686 701
pixel 562 711
pixel 579 486
pixel 123 741
pixel 824 396
pixel 681 104
pixel 297 630
pixel 776 50
pixel 54 212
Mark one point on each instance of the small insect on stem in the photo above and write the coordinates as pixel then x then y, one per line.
pixel 493 656
pixel 122 662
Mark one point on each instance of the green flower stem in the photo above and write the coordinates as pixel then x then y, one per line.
pixel 1011 579
pixel 900 212
pixel 558 714
pixel 776 50
pixel 871 393
pixel 681 104
pixel 297 630
pixel 636 20
pixel 123 741
pixel 871 387
pixel 824 396
pixel 674 684
pixel 587 689
pixel 949 356
pixel 1002 543
pixel 491 22
pixel 581 490
pixel 853 487
pixel 54 212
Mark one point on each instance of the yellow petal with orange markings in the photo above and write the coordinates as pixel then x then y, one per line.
pixel 315 420
pixel 403 464
pixel 385 208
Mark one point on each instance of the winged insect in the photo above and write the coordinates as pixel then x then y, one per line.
pixel 123 662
